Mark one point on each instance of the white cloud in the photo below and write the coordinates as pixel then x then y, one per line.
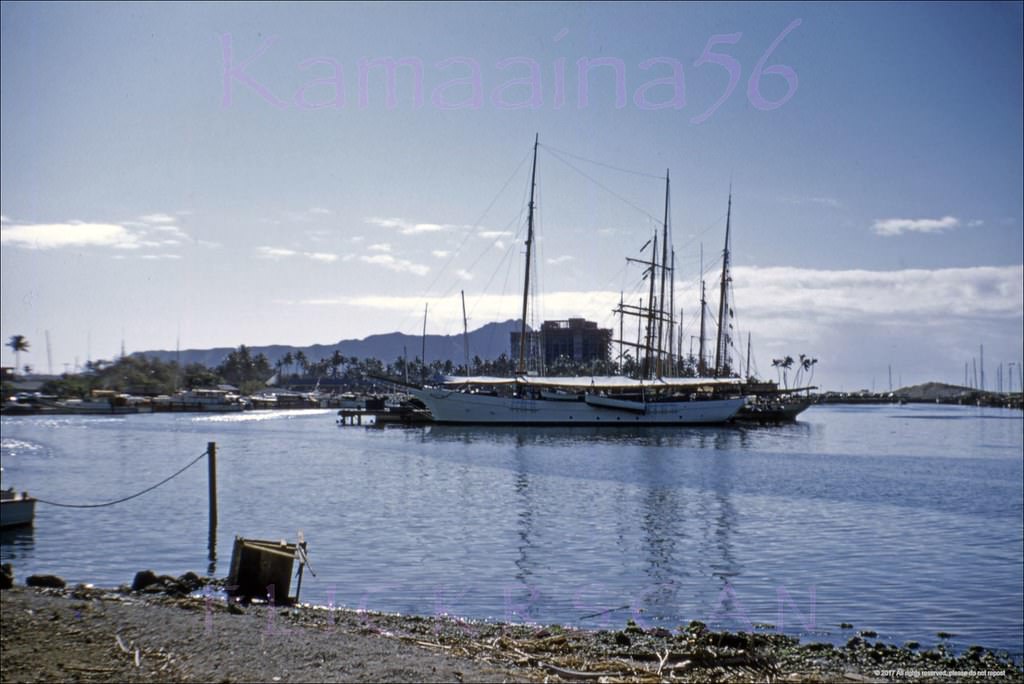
pixel 560 259
pixel 154 257
pixel 320 211
pixel 409 227
pixel 464 274
pixel 491 234
pixel 895 226
pixel 173 231
pixel 157 218
pixel 321 256
pixel 275 252
pixel 440 253
pixel 976 223
pixel 380 247
pixel 400 265
pixel 820 201
pixel 71 234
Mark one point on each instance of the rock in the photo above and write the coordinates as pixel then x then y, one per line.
pixel 51 581
pixel 911 645
pixel 854 642
pixel 660 632
pixel 697 627
pixel 845 625
pixel 869 633
pixel 621 639
pixel 143 579
pixel 191 581
pixel 944 635
pixel 6 576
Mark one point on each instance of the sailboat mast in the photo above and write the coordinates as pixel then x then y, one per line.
pixel 670 339
pixel 661 297
pixel 529 246
pixel 748 356
pixel 701 366
pixel 721 345
pixel 423 351
pixel 649 367
pixel 622 321
pixel 465 330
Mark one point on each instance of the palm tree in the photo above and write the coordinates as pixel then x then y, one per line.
pixel 787 363
pixel 287 359
pixel 777 364
pixel 336 360
pixel 300 358
pixel 18 344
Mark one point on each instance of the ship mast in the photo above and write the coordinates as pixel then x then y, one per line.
pixel 661 297
pixel 722 344
pixel 529 246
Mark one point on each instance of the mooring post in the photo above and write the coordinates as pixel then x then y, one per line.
pixel 211 461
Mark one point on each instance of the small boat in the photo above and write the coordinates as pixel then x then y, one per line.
pixel 16 509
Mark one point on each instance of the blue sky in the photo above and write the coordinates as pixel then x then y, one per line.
pixel 150 192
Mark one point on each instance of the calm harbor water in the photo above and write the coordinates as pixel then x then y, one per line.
pixel 906 520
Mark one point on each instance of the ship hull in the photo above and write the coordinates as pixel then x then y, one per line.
pixel 466 408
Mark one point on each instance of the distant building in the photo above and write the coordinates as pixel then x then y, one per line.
pixel 576 339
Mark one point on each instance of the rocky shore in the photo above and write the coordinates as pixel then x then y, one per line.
pixel 165 630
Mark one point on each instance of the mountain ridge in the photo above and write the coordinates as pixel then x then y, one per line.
pixel 488 342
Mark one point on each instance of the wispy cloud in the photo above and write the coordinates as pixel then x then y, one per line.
pixel 440 253
pixel 158 257
pixel 555 261
pixel 320 211
pixel 896 226
pixel 277 253
pixel 400 265
pixel 830 202
pixel 380 247
pixel 410 227
pixel 157 218
pixel 322 256
pixel 155 234
pixel 70 234
pixel 464 274
pixel 492 234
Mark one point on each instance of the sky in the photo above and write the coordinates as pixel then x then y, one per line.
pixel 221 174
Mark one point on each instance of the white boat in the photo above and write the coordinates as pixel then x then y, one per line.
pixel 16 509
pixel 214 400
pixel 615 400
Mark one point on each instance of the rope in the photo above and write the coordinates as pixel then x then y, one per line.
pixel 127 498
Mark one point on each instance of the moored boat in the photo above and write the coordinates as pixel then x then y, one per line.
pixel 16 508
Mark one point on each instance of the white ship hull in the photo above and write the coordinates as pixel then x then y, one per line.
pixel 457 407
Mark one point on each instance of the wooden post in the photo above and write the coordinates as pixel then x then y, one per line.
pixel 211 461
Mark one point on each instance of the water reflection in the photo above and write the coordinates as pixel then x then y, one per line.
pixel 18 542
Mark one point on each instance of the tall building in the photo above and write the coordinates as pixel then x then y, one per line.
pixel 576 339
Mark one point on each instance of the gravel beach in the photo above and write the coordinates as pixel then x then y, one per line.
pixel 95 635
